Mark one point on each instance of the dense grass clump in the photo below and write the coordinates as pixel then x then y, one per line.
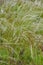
pixel 21 32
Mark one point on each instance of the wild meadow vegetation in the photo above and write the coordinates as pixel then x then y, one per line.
pixel 21 32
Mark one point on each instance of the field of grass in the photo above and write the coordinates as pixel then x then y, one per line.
pixel 21 32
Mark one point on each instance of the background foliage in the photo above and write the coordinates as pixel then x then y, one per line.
pixel 21 32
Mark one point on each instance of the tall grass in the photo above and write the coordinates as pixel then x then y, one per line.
pixel 21 33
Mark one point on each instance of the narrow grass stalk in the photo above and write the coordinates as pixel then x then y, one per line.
pixel 31 50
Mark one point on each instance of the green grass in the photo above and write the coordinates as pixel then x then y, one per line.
pixel 21 33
